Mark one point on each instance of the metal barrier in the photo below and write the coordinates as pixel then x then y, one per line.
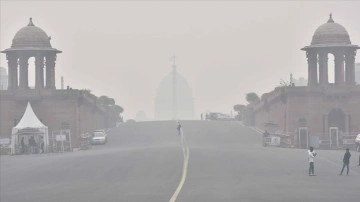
pixel 85 141
pixel 61 141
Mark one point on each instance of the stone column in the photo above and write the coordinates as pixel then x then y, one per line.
pixel 350 67
pixel 50 71
pixel 339 68
pixel 24 65
pixel 13 71
pixel 323 68
pixel 39 72
pixel 312 67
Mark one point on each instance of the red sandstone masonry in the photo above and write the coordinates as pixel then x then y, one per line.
pixel 55 108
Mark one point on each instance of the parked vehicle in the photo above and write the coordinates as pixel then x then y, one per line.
pixel 99 137
pixel 357 143
pixel 220 117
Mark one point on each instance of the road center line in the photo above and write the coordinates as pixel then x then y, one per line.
pixel 186 153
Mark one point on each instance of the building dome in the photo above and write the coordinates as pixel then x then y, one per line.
pixel 31 37
pixel 165 88
pixel 331 33
pixel 164 100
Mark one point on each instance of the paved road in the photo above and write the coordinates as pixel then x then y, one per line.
pixel 144 162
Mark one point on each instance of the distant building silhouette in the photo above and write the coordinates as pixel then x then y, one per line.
pixel 141 116
pixel 174 99
pixel 300 81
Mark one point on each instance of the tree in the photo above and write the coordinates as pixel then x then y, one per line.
pixel 106 101
pixel 252 98
pixel 118 109
pixel 240 110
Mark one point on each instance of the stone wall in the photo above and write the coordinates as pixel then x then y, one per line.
pixel 287 106
pixel 57 109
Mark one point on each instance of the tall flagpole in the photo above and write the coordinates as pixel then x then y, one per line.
pixel 174 98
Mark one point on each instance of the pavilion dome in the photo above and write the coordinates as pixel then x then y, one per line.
pixel 31 36
pixel 331 33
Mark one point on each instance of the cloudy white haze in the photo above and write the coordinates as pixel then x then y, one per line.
pixel 224 49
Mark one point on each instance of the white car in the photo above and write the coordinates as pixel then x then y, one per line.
pixel 99 137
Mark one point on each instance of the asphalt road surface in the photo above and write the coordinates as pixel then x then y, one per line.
pixel 216 161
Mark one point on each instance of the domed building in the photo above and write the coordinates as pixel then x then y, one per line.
pixel 321 114
pixel 76 111
pixel 331 38
pixel 330 34
pixel 31 41
pixel 174 99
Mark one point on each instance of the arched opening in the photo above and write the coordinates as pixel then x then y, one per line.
pixel 336 123
pixel 44 76
pixel 318 73
pixel 336 118
pixel 31 72
pixel 331 68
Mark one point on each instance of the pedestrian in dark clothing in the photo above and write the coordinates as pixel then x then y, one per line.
pixel 265 135
pixel 179 128
pixel 42 144
pixel 32 144
pixel 22 143
pixel 346 162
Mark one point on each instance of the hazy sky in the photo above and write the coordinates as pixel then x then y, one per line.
pixel 223 49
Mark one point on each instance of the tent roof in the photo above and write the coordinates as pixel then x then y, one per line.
pixel 29 120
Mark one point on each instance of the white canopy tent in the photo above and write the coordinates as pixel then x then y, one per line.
pixel 28 126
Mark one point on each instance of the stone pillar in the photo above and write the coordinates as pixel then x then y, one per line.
pixel 323 68
pixel 13 71
pixel 350 67
pixel 39 72
pixel 24 65
pixel 339 68
pixel 50 71
pixel 312 67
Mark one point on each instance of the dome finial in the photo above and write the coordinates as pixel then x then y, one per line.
pixel 31 22
pixel 330 19
pixel 172 59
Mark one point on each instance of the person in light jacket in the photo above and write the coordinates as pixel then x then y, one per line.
pixel 311 156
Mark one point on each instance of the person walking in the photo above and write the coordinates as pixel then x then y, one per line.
pixel 42 144
pixel 266 134
pixel 346 162
pixel 22 143
pixel 179 128
pixel 311 156
pixel 32 145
